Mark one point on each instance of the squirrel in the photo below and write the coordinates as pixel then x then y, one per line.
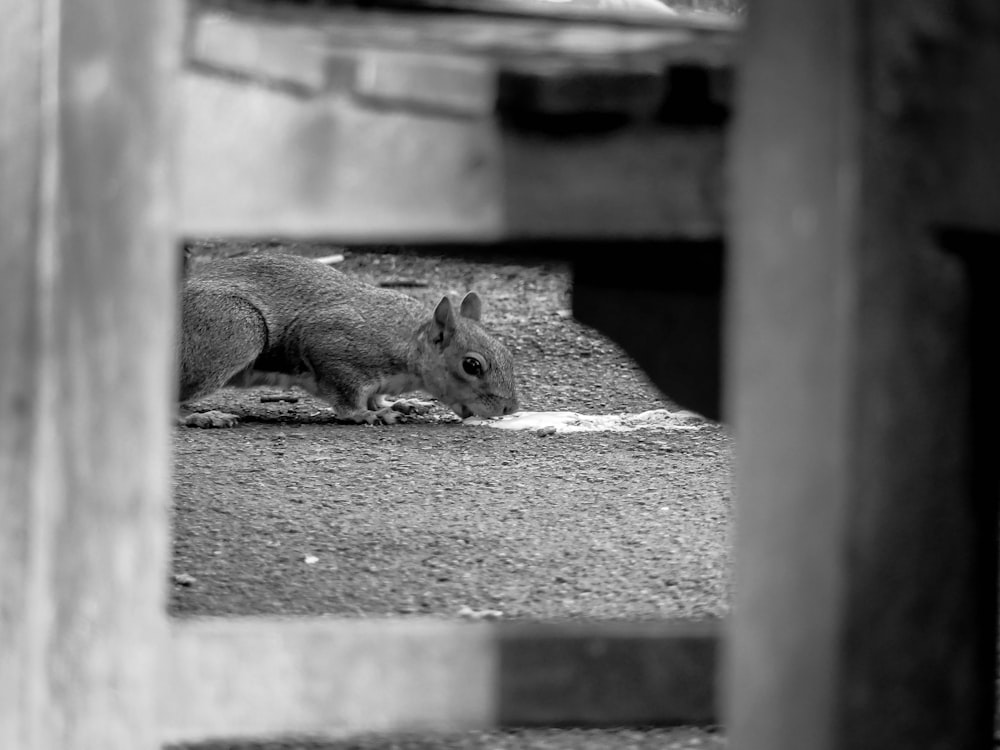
pixel 289 320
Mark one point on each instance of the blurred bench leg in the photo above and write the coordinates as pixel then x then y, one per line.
pixel 865 609
pixel 87 275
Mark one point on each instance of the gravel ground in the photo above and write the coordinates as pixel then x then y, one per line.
pixel 432 516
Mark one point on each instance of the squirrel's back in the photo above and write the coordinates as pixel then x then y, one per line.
pixel 291 285
pixel 289 290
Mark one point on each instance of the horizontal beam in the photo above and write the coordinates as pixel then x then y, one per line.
pixel 259 677
pixel 295 42
pixel 265 163
pixel 360 127
pixel 606 674
pixel 623 12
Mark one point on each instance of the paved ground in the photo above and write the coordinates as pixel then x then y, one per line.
pixel 290 513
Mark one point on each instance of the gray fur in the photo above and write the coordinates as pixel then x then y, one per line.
pixel 284 319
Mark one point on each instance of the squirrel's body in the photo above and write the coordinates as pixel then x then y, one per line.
pixel 284 319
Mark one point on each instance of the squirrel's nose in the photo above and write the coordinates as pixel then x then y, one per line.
pixel 509 408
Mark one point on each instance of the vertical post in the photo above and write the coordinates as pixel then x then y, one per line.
pixel 87 274
pixel 865 572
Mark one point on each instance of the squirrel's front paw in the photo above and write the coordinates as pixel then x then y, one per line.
pixel 411 406
pixel 207 419
pixel 387 415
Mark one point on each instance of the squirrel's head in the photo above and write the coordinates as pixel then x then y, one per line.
pixel 467 368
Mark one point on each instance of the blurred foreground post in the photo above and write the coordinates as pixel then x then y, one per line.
pixel 865 612
pixel 86 311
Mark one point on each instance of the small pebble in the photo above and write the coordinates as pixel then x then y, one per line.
pixel 468 613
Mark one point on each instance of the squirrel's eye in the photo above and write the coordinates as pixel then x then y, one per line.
pixel 473 366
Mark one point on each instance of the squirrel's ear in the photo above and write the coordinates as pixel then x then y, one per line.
pixel 444 317
pixel 472 307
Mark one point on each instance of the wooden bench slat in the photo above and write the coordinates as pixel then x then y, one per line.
pixel 87 297
pixel 260 677
pixel 258 162
pixel 607 674
pixel 594 10
pixel 377 127
pixel 865 573
pixel 254 677
pixel 688 41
